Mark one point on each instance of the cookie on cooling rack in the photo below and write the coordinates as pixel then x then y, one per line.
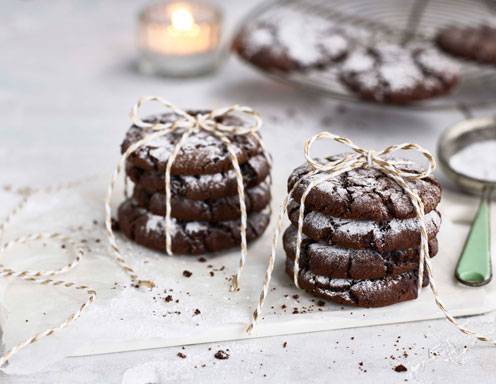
pixel 390 73
pixel 475 43
pixel 292 42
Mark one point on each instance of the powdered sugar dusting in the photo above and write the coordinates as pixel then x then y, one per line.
pixel 356 228
pixel 258 38
pixel 306 39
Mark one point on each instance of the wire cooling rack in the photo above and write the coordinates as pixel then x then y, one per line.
pixel 405 21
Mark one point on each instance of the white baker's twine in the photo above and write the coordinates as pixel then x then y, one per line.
pixel 187 124
pixel 362 158
pixel 43 277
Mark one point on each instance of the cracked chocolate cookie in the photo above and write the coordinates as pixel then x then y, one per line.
pixel 364 234
pixel 365 194
pixel 211 210
pixel 361 293
pixel 202 187
pixel 358 264
pixel 475 43
pixel 202 153
pixel 292 42
pixel 393 74
pixel 194 237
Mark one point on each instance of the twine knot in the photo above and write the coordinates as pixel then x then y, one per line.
pixel 368 158
pixel 186 124
pixel 210 121
pixel 331 167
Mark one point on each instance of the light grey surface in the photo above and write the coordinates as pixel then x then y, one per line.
pixel 66 84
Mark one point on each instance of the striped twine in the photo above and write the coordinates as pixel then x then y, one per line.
pixel 362 158
pixel 187 125
pixel 43 277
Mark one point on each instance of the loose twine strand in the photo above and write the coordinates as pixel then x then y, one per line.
pixel 43 277
pixel 362 158
pixel 188 124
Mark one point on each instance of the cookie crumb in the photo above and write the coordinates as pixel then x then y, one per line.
pixel 400 368
pixel 221 355
pixel 196 312
pixel 285 344
pixel 181 355
pixel 187 273
pixel 168 298
pixel 202 259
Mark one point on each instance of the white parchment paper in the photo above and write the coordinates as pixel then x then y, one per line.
pixel 182 310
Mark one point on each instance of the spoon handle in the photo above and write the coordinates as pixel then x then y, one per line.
pixel 474 266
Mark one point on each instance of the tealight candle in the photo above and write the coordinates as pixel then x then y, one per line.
pixel 179 38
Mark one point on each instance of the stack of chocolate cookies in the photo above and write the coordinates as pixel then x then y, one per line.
pixel 205 207
pixel 360 236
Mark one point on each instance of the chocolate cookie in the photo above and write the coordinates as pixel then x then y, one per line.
pixel 193 238
pixel 203 187
pixel 202 153
pixel 394 74
pixel 359 264
pixel 476 43
pixel 213 210
pixel 292 42
pixel 364 234
pixel 365 194
pixel 360 293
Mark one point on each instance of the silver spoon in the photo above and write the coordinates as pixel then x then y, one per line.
pixel 474 265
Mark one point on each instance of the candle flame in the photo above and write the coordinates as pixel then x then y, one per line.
pixel 182 18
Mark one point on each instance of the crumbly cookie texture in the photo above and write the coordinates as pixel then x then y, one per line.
pixel 345 263
pixel 202 187
pixel 394 74
pixel 364 194
pixel 212 210
pixel 194 237
pixel 202 152
pixel 361 293
pixel 475 43
pixel 364 234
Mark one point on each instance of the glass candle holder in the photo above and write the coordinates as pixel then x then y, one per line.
pixel 179 38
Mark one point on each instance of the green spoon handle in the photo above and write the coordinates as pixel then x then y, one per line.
pixel 474 266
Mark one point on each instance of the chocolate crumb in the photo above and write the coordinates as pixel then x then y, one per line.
pixel 202 259
pixel 168 298
pixel 285 344
pixel 400 368
pixel 114 224
pixel 321 303
pixel 221 355
pixel 196 312
pixel 181 355
pixel 296 297
pixel 187 273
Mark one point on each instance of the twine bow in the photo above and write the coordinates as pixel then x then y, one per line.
pixel 362 158
pixel 187 124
